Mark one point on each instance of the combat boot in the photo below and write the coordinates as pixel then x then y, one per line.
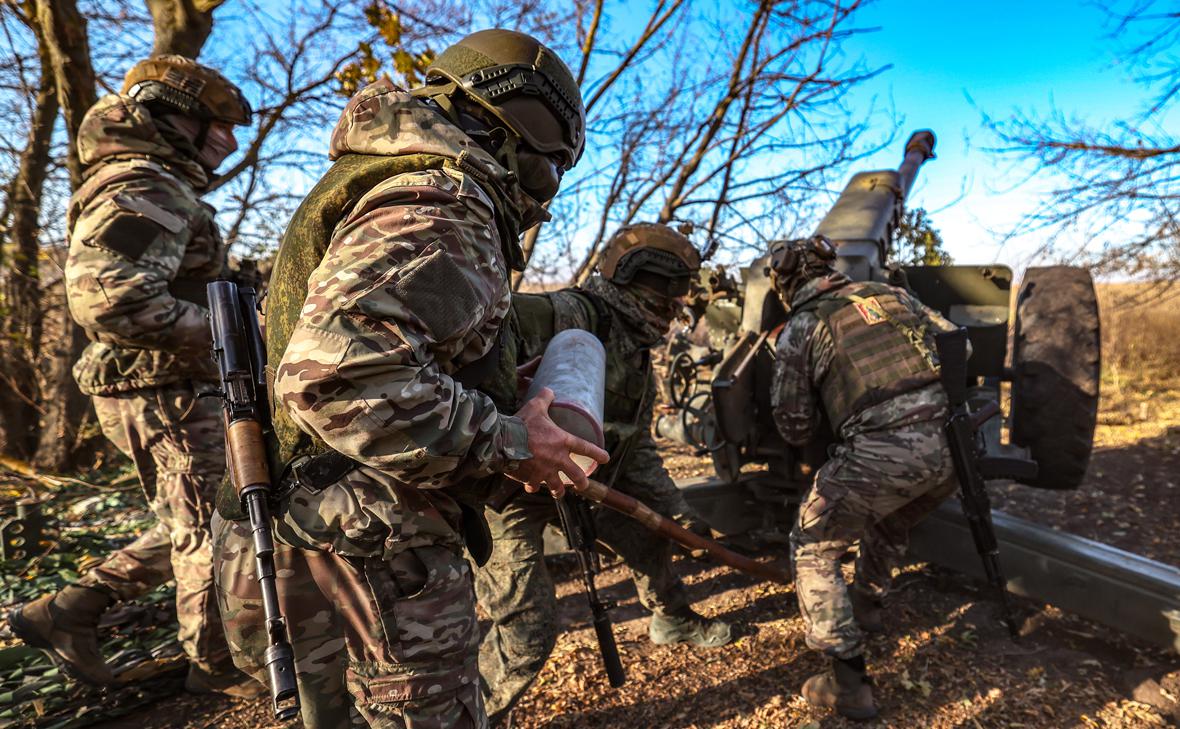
pixel 687 626
pixel 65 626
pixel 868 611
pixel 846 688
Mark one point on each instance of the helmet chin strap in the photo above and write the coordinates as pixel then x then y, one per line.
pixel 497 141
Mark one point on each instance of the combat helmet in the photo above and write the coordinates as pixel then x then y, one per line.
pixel 793 262
pixel 189 87
pixel 522 83
pixel 650 255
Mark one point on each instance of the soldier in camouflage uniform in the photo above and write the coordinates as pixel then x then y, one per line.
pixel 859 355
pixel 142 247
pixel 384 313
pixel 644 273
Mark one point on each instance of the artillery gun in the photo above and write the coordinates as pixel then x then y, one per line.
pixel 1039 352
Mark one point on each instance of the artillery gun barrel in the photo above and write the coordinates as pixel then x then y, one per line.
pixel 918 149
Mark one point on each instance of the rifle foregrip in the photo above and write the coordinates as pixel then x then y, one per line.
pixel 610 650
pixel 247 455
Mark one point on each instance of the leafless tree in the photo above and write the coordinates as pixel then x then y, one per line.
pixel 726 119
pixel 1116 201
pixel 44 411
pixel 720 122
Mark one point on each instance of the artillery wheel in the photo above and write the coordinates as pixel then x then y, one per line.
pixel 1056 366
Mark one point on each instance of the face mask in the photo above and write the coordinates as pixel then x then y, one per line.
pixel 539 175
pixel 219 144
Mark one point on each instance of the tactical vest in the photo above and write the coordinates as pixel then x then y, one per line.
pixel 881 348
pixel 304 244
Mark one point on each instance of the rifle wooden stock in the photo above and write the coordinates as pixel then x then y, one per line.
pixel 600 493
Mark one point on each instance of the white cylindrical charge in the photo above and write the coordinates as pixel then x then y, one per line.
pixel 574 368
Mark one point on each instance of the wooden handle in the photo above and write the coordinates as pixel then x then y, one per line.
pixel 247 454
pixel 600 493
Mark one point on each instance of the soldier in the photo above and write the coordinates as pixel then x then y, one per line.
pixel 859 355
pixel 643 275
pixel 383 319
pixel 142 247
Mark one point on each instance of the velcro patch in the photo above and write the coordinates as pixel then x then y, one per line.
pixel 127 234
pixel 169 221
pixel 871 311
pixel 436 291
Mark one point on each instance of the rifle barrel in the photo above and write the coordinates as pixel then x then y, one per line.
pixel 578 527
pixel 240 359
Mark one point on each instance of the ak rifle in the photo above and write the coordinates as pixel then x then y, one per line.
pixel 577 522
pixel 241 361
pixel 973 466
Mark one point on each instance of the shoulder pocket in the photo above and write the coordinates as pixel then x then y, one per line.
pixel 132 226
pixel 435 290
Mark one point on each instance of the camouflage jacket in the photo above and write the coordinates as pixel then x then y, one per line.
pixel 142 246
pixel 803 357
pixel 413 287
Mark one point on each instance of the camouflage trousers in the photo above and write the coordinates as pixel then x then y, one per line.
pixel 314 626
pixel 387 640
pixel 175 440
pixel 517 592
pixel 875 489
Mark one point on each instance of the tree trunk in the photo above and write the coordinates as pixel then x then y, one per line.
pixel 181 26
pixel 20 285
pixel 64 32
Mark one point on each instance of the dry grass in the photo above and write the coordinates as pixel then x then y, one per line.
pixel 1140 324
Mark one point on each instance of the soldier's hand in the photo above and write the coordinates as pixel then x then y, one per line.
pixel 552 449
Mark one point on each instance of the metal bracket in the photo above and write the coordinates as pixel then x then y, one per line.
pixel 20 536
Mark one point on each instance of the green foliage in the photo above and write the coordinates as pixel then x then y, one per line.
pixel 409 66
pixel 917 243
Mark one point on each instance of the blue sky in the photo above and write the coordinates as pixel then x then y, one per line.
pixel 954 61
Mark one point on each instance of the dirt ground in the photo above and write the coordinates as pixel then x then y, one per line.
pixel 945 662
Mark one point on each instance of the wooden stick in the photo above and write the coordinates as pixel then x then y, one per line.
pixel 600 493
pixel 25 470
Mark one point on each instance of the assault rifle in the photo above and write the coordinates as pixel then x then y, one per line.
pixel 973 466
pixel 241 360
pixel 578 524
